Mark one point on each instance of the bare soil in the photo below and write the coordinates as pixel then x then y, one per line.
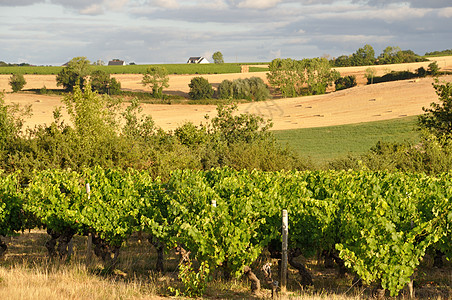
pixel 363 103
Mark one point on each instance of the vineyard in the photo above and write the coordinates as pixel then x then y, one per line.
pixel 377 225
pixel 137 69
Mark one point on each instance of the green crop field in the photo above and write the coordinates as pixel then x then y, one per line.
pixel 139 69
pixel 326 143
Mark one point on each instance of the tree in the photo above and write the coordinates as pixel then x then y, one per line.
pixel 342 61
pixel 390 55
pixel 303 77
pixel 282 75
pixel 74 74
pixel 99 62
pixel 252 89
pixel 200 88
pixel 218 57
pixel 433 68
pixel 17 82
pixel 317 74
pixel 346 82
pixel 438 118
pixel 370 74
pixel 157 78
pixel 103 84
pixel 363 56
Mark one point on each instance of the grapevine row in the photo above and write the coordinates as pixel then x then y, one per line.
pixel 379 224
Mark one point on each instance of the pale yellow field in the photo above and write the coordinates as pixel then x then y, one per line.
pixel 363 103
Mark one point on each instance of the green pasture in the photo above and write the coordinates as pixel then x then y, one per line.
pixel 327 143
pixel 139 69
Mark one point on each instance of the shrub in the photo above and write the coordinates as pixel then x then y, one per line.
pixel 43 91
pixel 103 84
pixel 346 82
pixel 200 88
pixel 225 90
pixel 437 118
pixel 74 74
pixel 17 82
pixel 157 78
pixel 252 89
pixel 258 89
pixel 433 68
pixel 393 76
pixel 421 72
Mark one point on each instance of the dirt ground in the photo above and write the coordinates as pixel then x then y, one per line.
pixel 363 103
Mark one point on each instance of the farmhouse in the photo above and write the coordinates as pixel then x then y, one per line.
pixel 197 60
pixel 116 62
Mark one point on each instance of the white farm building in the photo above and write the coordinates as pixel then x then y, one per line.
pixel 197 60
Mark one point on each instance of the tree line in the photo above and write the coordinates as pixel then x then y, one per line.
pixel 365 56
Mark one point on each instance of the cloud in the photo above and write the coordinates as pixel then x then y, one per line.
pixel 411 3
pixel 445 13
pixel 93 9
pixel 20 2
pixel 147 31
pixel 169 4
pixel 258 4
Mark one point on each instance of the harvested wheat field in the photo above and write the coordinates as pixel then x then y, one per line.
pixel 363 103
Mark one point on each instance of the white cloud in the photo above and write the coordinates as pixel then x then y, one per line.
pixel 116 4
pixel 94 9
pixel 258 4
pixel 445 12
pixel 169 4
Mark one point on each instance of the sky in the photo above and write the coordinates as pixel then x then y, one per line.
pixel 51 32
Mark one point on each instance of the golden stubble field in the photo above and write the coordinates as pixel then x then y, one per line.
pixel 363 103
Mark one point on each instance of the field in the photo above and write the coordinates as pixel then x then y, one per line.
pixel 361 104
pixel 323 144
pixel 323 127
pixel 137 69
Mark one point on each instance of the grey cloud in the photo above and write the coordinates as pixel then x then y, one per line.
pixel 412 3
pixel 19 2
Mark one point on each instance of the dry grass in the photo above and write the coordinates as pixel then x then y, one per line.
pixel 27 273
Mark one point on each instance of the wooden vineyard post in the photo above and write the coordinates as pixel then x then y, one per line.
pixel 284 258
pixel 90 237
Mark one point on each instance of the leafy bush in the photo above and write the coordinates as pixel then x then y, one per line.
pixel 200 88
pixel 103 84
pixel 421 72
pixel 17 82
pixel 345 82
pixel 225 90
pixel 74 74
pixel 433 68
pixel 392 76
pixel 304 77
pixel 439 53
pixel 252 89
pixel 195 282
pixel 157 78
pixel 437 119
